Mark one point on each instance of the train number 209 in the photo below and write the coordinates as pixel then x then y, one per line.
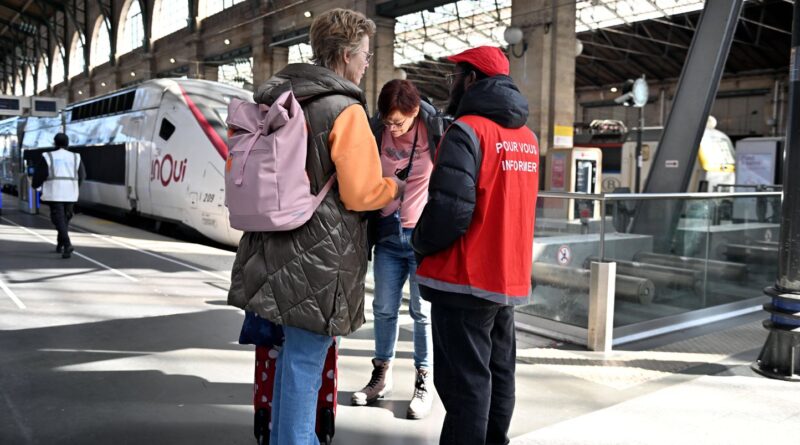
pixel 208 197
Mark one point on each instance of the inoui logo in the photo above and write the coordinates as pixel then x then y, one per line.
pixel 167 170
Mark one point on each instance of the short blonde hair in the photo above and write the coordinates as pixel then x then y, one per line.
pixel 337 31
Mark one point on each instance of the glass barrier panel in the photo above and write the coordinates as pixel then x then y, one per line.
pixel 718 251
pixel 564 242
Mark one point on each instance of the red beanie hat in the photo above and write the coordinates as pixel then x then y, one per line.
pixel 489 60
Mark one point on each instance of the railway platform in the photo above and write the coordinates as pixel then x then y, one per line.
pixel 130 341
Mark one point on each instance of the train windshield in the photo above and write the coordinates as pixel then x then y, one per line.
pixel 212 102
pixel 209 104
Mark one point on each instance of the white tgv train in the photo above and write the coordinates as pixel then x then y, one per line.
pixel 157 149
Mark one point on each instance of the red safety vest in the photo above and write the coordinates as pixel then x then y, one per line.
pixel 492 260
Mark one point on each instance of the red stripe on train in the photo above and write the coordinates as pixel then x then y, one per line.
pixel 216 140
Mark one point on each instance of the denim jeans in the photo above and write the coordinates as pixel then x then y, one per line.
pixel 297 381
pixel 394 263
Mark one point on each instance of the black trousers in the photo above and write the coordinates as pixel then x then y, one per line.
pixel 60 214
pixel 474 354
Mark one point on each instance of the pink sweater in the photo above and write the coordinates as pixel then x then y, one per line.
pixel 394 157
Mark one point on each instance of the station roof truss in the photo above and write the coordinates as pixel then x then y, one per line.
pixel 621 39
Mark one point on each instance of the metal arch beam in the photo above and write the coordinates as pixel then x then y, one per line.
pixel 10 26
pixel 70 12
pixel 586 79
pixel 651 47
pixel 105 9
pixel 23 13
pixel 677 151
pixel 396 8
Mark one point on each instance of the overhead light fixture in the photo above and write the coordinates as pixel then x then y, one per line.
pixel 514 36
pixel 227 41
pixel 613 89
pixel 133 74
pixel 171 60
pixel 80 92
pixel 102 84
pixel 307 14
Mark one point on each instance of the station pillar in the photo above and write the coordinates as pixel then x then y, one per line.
pixel 780 356
pixel 267 60
pixel 381 67
pixel 543 67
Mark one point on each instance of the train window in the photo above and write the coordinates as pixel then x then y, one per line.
pixel 612 159
pixel 166 130
pixel 129 100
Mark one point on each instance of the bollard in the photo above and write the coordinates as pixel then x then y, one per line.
pixel 600 333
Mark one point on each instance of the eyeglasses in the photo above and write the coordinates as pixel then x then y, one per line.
pixel 367 55
pixel 452 77
pixel 395 124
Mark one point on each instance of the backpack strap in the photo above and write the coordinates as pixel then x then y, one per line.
pixel 253 139
pixel 323 191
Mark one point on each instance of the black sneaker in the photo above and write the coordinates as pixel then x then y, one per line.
pixel 67 252
pixel 59 248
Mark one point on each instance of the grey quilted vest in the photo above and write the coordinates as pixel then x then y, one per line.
pixel 311 277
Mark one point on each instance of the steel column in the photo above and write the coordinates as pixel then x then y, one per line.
pixel 780 356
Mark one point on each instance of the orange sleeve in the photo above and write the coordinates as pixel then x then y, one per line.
pixel 358 164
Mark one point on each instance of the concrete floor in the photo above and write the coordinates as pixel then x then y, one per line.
pixel 131 342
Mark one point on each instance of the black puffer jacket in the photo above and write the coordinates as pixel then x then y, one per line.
pixel 311 277
pixel 451 193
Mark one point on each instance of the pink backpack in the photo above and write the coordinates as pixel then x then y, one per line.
pixel 266 185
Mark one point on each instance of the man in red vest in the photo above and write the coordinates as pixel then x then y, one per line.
pixel 475 238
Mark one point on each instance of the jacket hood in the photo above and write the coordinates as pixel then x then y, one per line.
pixel 308 82
pixel 498 99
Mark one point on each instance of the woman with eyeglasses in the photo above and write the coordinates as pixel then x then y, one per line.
pixel 310 280
pixel 407 130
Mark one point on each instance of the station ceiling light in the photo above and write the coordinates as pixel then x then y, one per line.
pixel 227 41
pixel 307 14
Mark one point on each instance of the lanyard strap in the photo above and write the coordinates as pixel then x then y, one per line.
pixel 410 161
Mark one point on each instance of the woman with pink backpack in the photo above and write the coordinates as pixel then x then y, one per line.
pixel 310 280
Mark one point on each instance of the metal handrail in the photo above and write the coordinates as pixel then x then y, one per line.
pixel 654 196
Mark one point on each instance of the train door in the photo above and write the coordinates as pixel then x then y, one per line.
pixel 132 148
pixel 168 161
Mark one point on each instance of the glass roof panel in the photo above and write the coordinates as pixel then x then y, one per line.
pixel 454 27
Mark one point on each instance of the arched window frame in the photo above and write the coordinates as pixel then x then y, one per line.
pixel 211 7
pixel 130 35
pixel 41 75
pixel 169 16
pixel 29 81
pixel 76 59
pixel 58 68
pixel 18 86
pixel 100 52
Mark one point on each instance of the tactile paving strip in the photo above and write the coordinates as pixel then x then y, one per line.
pixel 626 369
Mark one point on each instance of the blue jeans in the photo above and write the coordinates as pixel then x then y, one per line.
pixel 394 263
pixel 298 377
